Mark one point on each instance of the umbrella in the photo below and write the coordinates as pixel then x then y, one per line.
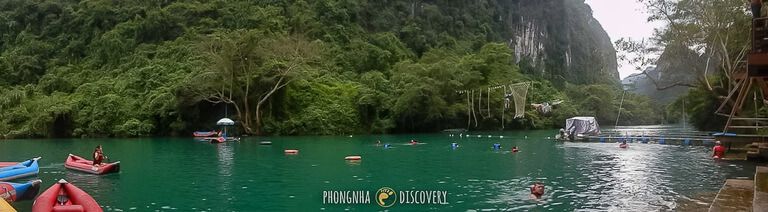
pixel 225 122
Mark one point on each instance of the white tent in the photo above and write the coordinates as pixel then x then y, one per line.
pixel 225 122
pixel 583 125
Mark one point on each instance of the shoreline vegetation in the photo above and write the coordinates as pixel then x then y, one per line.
pixel 124 69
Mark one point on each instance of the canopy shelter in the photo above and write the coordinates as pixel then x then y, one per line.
pixel 224 123
pixel 582 125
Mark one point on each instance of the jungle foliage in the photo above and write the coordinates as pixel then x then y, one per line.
pixel 104 68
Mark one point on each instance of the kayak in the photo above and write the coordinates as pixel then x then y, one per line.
pixel 78 163
pixel 12 192
pixel 5 207
pixel 64 196
pixel 204 134
pixel 20 170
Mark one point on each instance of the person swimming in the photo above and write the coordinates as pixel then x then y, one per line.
pixel 514 149
pixel 378 142
pixel 386 146
pixel 623 144
pixel 454 145
pixel 537 190
pixel 561 135
pixel 496 146
pixel 413 142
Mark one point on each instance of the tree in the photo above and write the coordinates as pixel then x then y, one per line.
pixel 249 65
pixel 718 30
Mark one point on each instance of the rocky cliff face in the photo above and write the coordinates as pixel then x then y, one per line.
pixel 676 66
pixel 560 38
pixel 555 39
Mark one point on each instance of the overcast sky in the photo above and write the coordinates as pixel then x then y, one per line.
pixel 623 18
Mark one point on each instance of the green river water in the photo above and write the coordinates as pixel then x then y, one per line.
pixel 182 174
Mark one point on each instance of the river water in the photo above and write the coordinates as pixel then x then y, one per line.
pixel 181 174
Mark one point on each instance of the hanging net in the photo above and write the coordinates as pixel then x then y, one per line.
pixel 519 92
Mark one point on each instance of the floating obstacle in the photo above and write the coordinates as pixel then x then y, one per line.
pixel 353 157
pixel 291 151
pixel 265 143
pixel 481 136
pixel 697 141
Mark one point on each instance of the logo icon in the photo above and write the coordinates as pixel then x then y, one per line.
pixel 386 197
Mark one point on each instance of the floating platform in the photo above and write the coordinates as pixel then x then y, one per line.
pixel 457 130
pixel 732 138
pixel 695 140
pixel 209 139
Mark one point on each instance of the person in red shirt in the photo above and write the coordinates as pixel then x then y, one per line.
pixel 98 156
pixel 718 151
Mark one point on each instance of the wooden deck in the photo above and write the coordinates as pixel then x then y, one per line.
pixel 743 195
pixel 735 195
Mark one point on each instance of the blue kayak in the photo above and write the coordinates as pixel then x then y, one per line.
pixel 12 192
pixel 20 170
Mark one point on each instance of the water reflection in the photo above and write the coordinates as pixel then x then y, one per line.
pixel 225 156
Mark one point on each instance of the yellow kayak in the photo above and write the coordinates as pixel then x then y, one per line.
pixel 5 207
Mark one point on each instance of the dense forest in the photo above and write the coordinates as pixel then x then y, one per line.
pixel 106 68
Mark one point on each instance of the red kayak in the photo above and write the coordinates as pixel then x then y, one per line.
pixel 4 164
pixel 64 196
pixel 78 163
pixel 204 134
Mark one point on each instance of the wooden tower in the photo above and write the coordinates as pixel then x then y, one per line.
pixel 753 73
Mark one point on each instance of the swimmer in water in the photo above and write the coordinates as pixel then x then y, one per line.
pixel 718 151
pixel 514 149
pixel 537 190
pixel 378 142
pixel 496 146
pixel 414 142
pixel 623 144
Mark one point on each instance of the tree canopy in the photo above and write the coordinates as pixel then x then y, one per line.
pixel 134 68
